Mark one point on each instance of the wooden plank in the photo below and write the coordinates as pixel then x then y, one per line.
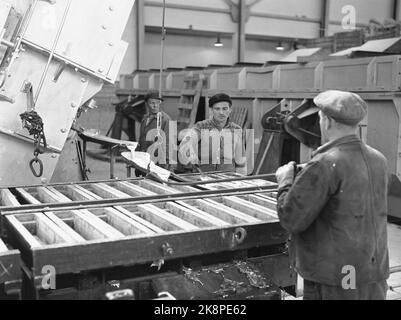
pixel 210 206
pixel 133 190
pixel 77 193
pixel 3 247
pixel 93 228
pixel 108 192
pixel 49 232
pixel 27 237
pixel 211 219
pixel 148 249
pixel 163 219
pixel 73 236
pixel 46 196
pixel 59 195
pixel 158 188
pixel 221 211
pixel 8 199
pixel 141 221
pixel 27 197
pixel 125 224
pixel 193 217
pixel 249 208
pixel 120 218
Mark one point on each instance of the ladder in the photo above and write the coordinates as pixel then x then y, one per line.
pixel 189 102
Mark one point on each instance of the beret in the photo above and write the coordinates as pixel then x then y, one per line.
pixel 344 107
pixel 153 95
pixel 220 97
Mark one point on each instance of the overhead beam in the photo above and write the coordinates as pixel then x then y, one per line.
pixel 228 11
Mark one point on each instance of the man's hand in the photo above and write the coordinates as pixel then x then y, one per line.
pixel 286 174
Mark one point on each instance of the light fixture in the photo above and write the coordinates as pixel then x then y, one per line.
pixel 218 43
pixel 280 47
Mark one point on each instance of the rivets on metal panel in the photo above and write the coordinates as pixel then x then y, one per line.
pixel 111 8
pixel 111 44
pixel 83 80
pixel 100 70
pixel 73 105
pixel 104 27
pixel 63 130
pixel 54 156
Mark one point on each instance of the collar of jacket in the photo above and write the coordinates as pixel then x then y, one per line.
pixel 217 125
pixel 344 140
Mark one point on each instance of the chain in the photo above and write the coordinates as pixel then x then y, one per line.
pixel 34 124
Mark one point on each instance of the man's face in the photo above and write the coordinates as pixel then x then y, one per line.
pixel 324 125
pixel 221 111
pixel 154 106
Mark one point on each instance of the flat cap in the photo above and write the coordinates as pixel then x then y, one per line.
pixel 153 95
pixel 344 107
pixel 220 97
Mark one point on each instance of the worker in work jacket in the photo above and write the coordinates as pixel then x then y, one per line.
pixel 336 208
pixel 215 144
pixel 154 130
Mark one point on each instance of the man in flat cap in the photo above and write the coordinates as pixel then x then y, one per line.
pixel 335 208
pixel 218 141
pixel 154 130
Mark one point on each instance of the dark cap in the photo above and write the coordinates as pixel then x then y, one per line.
pixel 153 95
pixel 220 97
pixel 344 107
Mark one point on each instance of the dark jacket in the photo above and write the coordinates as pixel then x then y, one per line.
pixel 336 211
pixel 148 124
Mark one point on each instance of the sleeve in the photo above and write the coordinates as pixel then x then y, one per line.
pixel 300 204
pixel 239 152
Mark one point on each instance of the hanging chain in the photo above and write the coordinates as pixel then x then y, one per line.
pixel 34 124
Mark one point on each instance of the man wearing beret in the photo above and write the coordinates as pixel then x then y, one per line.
pixel 219 141
pixel 335 208
pixel 149 128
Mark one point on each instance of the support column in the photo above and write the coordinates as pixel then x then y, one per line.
pixel 241 30
pixel 324 25
pixel 396 10
pixel 140 32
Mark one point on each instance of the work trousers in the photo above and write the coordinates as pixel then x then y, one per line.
pixel 371 291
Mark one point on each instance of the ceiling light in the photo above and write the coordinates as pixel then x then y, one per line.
pixel 218 43
pixel 280 47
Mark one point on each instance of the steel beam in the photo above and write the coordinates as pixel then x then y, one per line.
pixel 140 32
pixel 324 25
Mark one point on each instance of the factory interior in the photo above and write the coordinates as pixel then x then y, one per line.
pixel 87 212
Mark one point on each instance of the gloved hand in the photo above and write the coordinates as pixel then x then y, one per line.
pixel 286 174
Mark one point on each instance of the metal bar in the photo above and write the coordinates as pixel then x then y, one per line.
pixel 45 71
pixel 241 31
pixel 97 204
pixel 163 39
pixel 324 26
pixel 27 139
pixel 68 62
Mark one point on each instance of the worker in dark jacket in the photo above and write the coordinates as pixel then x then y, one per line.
pixel 336 208
pixel 218 141
pixel 154 130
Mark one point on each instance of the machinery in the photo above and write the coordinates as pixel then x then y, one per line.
pixel 54 57
pixel 195 239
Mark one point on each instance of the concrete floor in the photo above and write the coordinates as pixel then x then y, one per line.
pixel 100 170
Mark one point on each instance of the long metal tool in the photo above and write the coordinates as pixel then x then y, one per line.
pixel 163 39
pixel 55 43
